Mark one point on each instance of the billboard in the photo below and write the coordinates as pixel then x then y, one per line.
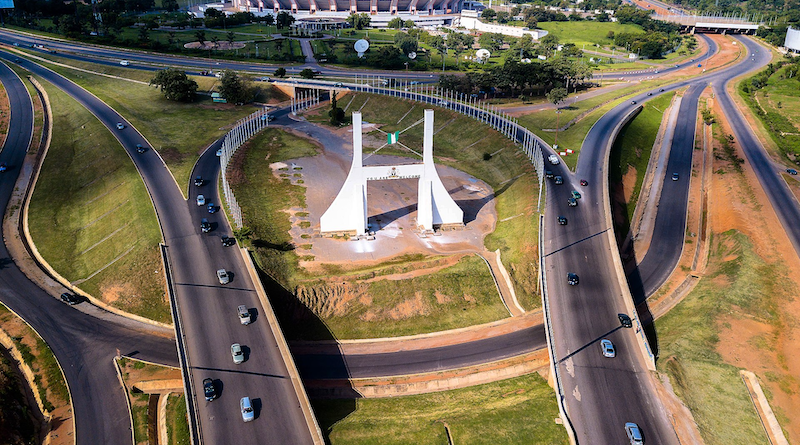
pixel 6 4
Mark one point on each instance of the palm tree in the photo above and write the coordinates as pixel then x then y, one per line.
pixel 231 36
pixel 200 36
pixel 215 41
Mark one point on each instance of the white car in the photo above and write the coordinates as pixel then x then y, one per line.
pixel 223 276
pixel 124 62
pixel 247 409
pixel 201 200
pixel 553 159
pixel 237 353
pixel 244 315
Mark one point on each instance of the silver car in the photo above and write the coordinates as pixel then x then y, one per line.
pixel 247 409
pixel 201 200
pixel 608 348
pixel 237 353
pixel 634 433
pixel 223 277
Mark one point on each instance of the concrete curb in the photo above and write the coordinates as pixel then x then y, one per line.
pixel 764 411
pixel 509 283
pixel 496 284
pixel 614 252
pixel 127 398
pixel 283 347
pixel 161 422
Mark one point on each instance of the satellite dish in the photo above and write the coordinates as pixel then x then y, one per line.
pixel 483 55
pixel 361 46
pixel 412 55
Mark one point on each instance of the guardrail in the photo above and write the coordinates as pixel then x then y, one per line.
pixel 244 129
pixel 551 347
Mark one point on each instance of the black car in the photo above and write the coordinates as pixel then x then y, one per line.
pixel 198 181
pixel 625 320
pixel 228 241
pixel 661 90
pixel 209 390
pixel 562 220
pixel 558 180
pixel 791 171
pixel 205 226
pixel 649 93
pixel 572 279
pixel 548 174
pixel 572 202
pixel 139 148
pixel 70 298
pixel 3 167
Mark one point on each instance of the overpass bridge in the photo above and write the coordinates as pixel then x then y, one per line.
pixel 712 24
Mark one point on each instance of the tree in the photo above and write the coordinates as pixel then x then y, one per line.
pixel 531 23
pixel 269 20
pixel 556 95
pixel 233 88
pixel 171 38
pixel 409 24
pixel 492 41
pixel 488 14
pixel 459 42
pixel 230 37
pixel 396 23
pixel 200 36
pixel 307 73
pixel 502 16
pixel 280 72
pixel 336 114
pixel 170 5
pixel 175 85
pixel 405 43
pixel 284 19
pixel 144 34
pixel 359 21
pixel 215 41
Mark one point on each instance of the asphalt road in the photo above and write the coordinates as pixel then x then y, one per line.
pixel 83 338
pixel 194 258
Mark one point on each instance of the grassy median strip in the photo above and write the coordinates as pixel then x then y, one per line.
pixel 177 423
pixel 514 411
pixel 631 154
pixel 91 217
pixel 179 131
pixel 741 284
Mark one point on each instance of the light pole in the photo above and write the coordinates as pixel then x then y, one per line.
pixel 555 142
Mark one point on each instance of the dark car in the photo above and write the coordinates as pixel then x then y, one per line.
pixel 212 208
pixel 661 90
pixel 675 176
pixel 548 174
pixel 576 195
pixel 649 93
pixel 3 167
pixel 584 182
pixel 633 102
pixel 572 279
pixel 228 241
pixel 791 171
pixel 562 220
pixel 572 202
pixel 625 321
pixel 198 181
pixel 70 298
pixel 209 390
pixel 139 148
pixel 205 226
pixel 558 180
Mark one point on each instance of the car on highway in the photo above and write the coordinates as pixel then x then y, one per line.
pixel 443 103
pixel 572 202
pixel 198 181
pixel 223 276
pixel 124 62
pixel 201 200
pixel 633 102
pixel 120 126
pixel 212 208
pixel 649 93
pixel 337 84
pixel 209 390
pixel 247 409
pixel 634 433
pixel 576 195
pixel 205 226
pixel 244 314
pixel 3 167
pixel 558 180
pixel 139 148
pixel 70 298
pixel 572 279
pixel 625 321
pixel 554 159
pixel 548 174
pixel 608 348
pixel 791 171
pixel 660 90
pixel 228 241
pixel 675 176
pixel 584 182
pixel 237 353
pixel 562 220
pixel 219 152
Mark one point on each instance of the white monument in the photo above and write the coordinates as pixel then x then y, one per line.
pixel 435 207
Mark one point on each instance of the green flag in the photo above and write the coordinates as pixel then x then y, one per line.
pixel 391 138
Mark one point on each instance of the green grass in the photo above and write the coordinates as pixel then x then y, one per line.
pixel 741 285
pixel 779 100
pixel 179 131
pixel 91 217
pixel 514 411
pixel 632 149
pixel 177 422
pixel 587 32
pixel 458 296
pixel 139 415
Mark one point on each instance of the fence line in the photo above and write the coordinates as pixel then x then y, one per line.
pixel 244 129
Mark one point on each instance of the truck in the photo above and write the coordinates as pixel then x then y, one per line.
pixel 553 159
